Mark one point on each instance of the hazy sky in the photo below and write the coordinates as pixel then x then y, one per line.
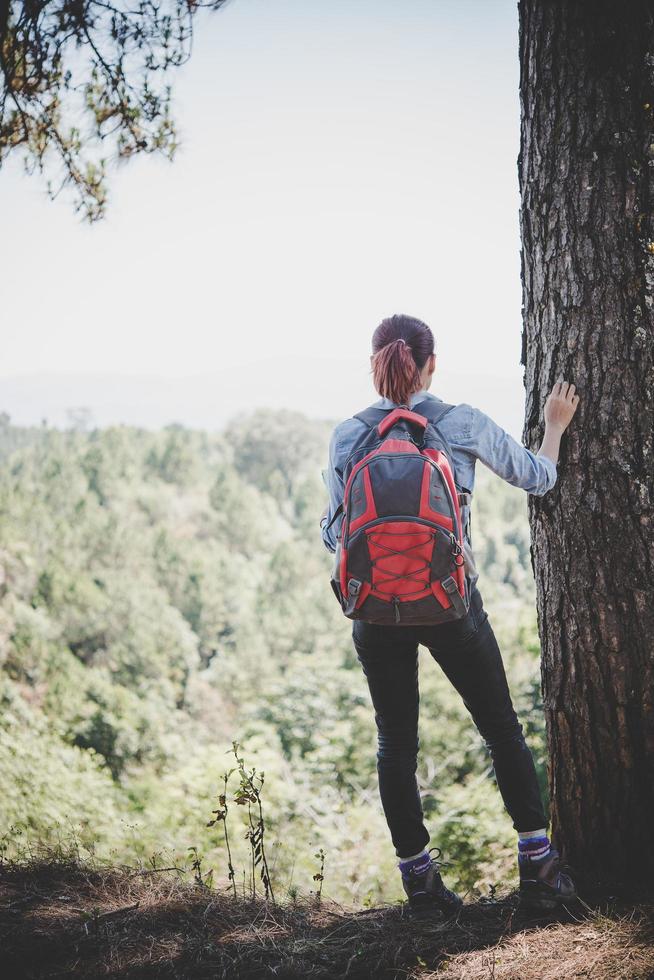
pixel 342 160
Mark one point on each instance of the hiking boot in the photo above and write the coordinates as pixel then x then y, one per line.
pixel 427 892
pixel 544 885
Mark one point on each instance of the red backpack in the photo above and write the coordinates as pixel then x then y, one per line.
pixel 399 557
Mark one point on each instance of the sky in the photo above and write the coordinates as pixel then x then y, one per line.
pixel 341 160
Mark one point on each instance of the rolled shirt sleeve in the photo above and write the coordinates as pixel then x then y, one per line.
pixel 506 457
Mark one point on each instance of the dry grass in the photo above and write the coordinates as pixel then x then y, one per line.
pixel 601 947
pixel 64 920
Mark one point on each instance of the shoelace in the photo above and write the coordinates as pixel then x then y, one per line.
pixel 445 891
pixel 569 872
pixel 565 869
pixel 435 862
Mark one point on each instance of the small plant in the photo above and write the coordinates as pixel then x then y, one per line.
pixel 249 794
pixel 203 881
pixel 319 875
pixel 8 842
pixel 491 898
pixel 221 815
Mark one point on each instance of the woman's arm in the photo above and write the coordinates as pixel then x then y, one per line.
pixel 492 445
pixel 333 478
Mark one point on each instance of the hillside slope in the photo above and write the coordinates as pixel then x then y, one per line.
pixel 65 920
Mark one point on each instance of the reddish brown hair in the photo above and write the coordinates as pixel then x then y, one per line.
pixel 401 346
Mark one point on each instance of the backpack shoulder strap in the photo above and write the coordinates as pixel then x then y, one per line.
pixel 372 415
pixel 432 410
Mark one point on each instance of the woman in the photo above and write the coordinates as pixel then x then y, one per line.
pixel 403 364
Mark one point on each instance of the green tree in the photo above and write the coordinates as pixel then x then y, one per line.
pixel 84 82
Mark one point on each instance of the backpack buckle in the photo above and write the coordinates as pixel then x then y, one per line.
pixel 452 590
pixel 353 590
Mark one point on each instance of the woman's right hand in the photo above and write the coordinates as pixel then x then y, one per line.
pixel 561 405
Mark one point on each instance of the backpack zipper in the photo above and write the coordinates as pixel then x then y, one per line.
pixel 367 449
pixel 407 520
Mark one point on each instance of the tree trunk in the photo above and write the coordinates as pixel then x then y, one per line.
pixel 586 171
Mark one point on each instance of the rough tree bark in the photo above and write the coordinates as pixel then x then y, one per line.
pixel 586 170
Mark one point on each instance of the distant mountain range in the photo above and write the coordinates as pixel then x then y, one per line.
pixel 327 388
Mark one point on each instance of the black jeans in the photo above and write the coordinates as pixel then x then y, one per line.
pixel 467 652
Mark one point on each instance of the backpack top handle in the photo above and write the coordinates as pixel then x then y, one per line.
pixel 396 415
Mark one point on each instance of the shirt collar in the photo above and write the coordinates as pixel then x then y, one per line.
pixel 414 399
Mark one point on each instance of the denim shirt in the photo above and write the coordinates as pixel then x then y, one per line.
pixel 472 435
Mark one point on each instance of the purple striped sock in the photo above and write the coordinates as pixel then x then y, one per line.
pixel 415 865
pixel 534 848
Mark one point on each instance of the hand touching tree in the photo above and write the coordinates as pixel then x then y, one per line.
pixel 560 406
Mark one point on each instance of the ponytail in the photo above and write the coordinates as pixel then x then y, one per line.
pixel 394 372
pixel 401 346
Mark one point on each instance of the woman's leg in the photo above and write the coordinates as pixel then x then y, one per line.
pixel 469 655
pixel 389 657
